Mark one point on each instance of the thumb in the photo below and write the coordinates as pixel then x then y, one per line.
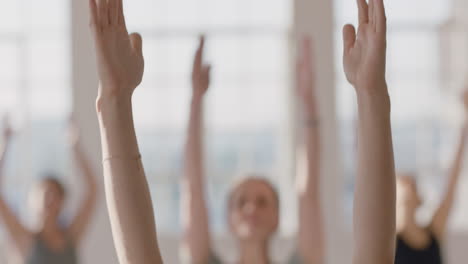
pixel 349 37
pixel 137 42
pixel 207 69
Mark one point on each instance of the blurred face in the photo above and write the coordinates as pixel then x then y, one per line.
pixel 408 197
pixel 48 200
pixel 253 211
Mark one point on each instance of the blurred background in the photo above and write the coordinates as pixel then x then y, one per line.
pixel 47 70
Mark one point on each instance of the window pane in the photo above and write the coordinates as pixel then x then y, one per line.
pixel 202 14
pixel 413 53
pixel 47 59
pixel 9 54
pixel 50 102
pixel 48 15
pixel 10 17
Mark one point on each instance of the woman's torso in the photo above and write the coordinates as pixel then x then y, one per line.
pixel 431 254
pixel 42 254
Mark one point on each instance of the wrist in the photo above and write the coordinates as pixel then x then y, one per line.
pixel 309 123
pixel 375 100
pixel 114 90
pixel 197 99
pixel 371 86
pixel 311 115
pixel 107 104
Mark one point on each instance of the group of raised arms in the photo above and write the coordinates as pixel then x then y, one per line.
pixel 384 224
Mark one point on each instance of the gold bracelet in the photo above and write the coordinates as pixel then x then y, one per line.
pixel 138 157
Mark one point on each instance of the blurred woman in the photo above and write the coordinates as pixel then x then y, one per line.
pixel 50 242
pixel 253 203
pixel 424 244
pixel 120 65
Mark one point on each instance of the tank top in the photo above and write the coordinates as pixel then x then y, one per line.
pixel 294 260
pixel 41 254
pixel 407 255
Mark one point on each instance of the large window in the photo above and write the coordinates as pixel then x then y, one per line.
pixel 246 110
pixel 34 88
pixel 423 139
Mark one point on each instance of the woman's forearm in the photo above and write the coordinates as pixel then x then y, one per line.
pixel 374 204
pixel 127 192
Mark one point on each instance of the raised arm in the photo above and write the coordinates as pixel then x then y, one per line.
pixel 310 235
pixel 120 65
pixel 374 202
pixel 88 203
pixel 439 221
pixel 20 236
pixel 194 210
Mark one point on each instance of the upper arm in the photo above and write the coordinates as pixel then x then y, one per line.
pixel 439 221
pixel 86 209
pixel 20 236
pixel 83 218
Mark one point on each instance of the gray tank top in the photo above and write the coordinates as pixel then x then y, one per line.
pixel 294 260
pixel 41 254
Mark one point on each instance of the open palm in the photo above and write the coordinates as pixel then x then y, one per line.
pixel 119 55
pixel 365 53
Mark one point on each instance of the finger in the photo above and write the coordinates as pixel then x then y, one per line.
pixel 103 13
pixel 113 12
pixel 137 42
pixel 201 47
pixel 363 11
pixel 349 37
pixel 93 15
pixel 120 13
pixel 371 11
pixel 381 17
pixel 197 63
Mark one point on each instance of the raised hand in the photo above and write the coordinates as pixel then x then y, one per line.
pixel 119 55
pixel 200 72
pixel 306 79
pixel 365 53
pixel 374 201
